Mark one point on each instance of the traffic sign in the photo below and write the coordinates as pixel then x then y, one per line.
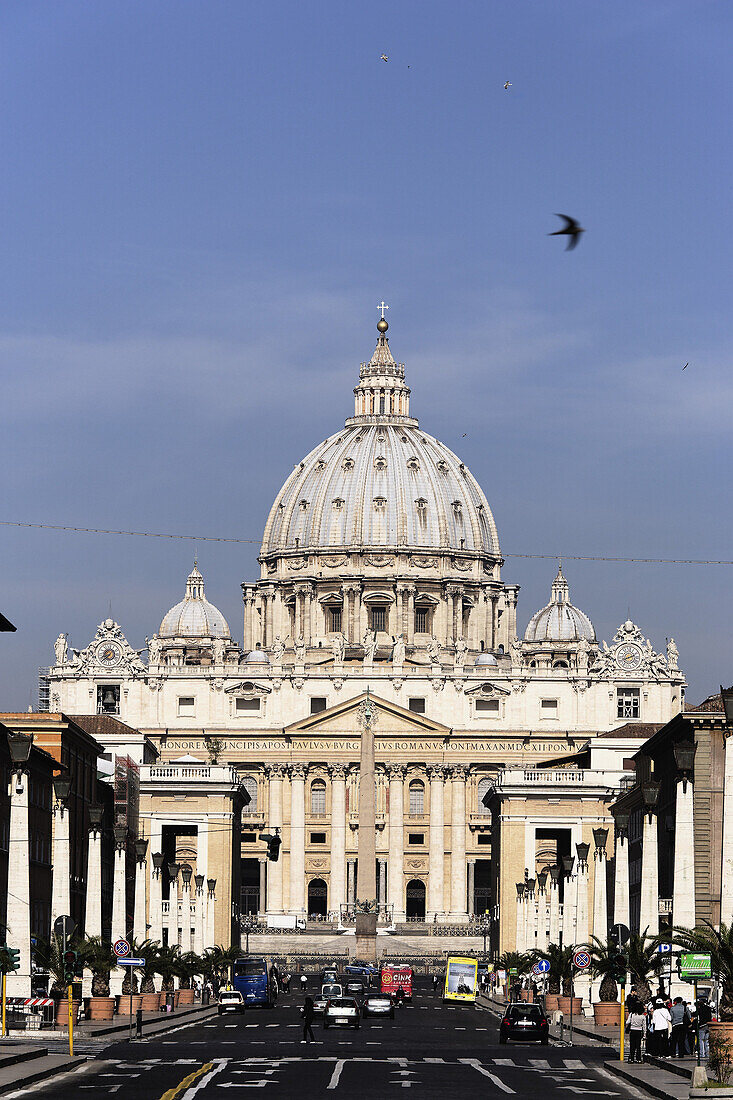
pixel 131 962
pixel 541 966
pixel 695 966
pixel 664 948
pixel 620 933
pixel 581 959
pixel 64 927
pixel 121 948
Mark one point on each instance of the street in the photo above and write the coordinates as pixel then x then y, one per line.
pixel 436 1049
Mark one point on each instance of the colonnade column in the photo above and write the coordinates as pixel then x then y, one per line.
pixel 555 904
pixel 338 837
pixel 458 841
pixel 248 596
pixel 471 886
pixel 683 888
pixel 186 875
pixel 199 923
pixel 156 897
pixel 530 935
pixel 172 904
pixel 542 901
pixel 600 893
pixel 93 907
pixel 298 773
pixel 520 917
pixel 581 894
pixel 436 837
pixel 350 881
pixel 139 921
pixel 726 893
pixel 649 907
pixel 621 910
pixel 395 870
pixel 210 902
pixel 119 901
pixel 275 773
pixel 262 901
pixel 61 862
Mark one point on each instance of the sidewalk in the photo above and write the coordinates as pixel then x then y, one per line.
pixel 27 1063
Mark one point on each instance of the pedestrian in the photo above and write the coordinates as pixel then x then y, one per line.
pixel 704 1015
pixel 286 982
pixel 661 1020
pixel 636 1023
pixel 308 1014
pixel 303 981
pixel 435 983
pixel 680 1018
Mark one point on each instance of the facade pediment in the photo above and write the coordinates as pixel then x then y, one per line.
pixel 344 718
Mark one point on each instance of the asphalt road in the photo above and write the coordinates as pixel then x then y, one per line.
pixel 438 1050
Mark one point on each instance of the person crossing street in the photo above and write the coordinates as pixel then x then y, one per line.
pixel 308 1014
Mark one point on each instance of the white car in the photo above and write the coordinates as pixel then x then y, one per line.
pixel 342 1011
pixel 230 1000
pixel 329 989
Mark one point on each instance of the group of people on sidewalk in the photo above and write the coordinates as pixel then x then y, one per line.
pixel 669 1027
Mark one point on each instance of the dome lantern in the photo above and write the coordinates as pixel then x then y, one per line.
pixel 382 395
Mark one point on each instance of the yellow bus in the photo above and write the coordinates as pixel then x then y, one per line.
pixel 460 979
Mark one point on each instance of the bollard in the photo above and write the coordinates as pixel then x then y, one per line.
pixel 139 1024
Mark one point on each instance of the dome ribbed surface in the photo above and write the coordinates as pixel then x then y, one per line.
pixel 381 485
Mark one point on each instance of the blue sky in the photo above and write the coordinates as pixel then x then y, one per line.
pixel 202 202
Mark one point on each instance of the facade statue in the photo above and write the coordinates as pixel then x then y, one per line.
pixel 583 654
pixel 154 648
pixel 338 648
pixel 300 650
pixel 218 651
pixel 461 651
pixel 278 650
pixel 434 648
pixel 516 648
pixel 673 656
pixel 369 641
pixel 59 648
pixel 398 650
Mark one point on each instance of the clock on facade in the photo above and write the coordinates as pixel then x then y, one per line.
pixel 109 653
pixel 628 657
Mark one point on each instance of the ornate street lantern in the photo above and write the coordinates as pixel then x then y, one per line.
pixel 555 873
pixel 20 749
pixel 621 817
pixel 199 880
pixel 567 862
pixel 600 836
pixel 530 885
pixel 211 883
pixel 650 795
pixel 96 813
pixel 541 880
pixel 120 831
pixel 173 869
pixel 582 850
pixel 158 861
pixel 520 890
pixel 141 850
pixel 186 873
pixel 684 757
pixel 62 788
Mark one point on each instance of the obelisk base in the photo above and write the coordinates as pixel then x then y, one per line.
pixel 365 944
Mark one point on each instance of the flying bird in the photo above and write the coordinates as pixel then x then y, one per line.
pixel 507 86
pixel 686 366
pixel 384 57
pixel 571 228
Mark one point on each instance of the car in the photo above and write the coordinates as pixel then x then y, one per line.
pixel 330 974
pixel 361 969
pixel 230 1000
pixel 329 989
pixel 378 1004
pixel 341 1010
pixel 355 988
pixel 525 1022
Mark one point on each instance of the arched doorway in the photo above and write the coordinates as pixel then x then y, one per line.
pixel 317 898
pixel 415 908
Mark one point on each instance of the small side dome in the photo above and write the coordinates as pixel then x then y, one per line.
pixel 194 616
pixel 257 657
pixel 484 659
pixel 559 621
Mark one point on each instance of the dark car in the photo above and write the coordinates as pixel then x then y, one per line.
pixel 378 1004
pixel 526 1023
pixel 355 988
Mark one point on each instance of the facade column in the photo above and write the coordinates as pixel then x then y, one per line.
pixel 542 904
pixel 262 901
pixel 471 886
pixel 61 862
pixel 555 904
pixel 338 837
pixel 649 907
pixel 298 773
pixel 93 906
pixel 119 902
pixel 395 868
pixel 683 888
pixel 351 882
pixel 458 842
pixel 210 903
pixel 621 910
pixel 530 915
pixel 581 895
pixel 199 926
pixel 726 898
pixel 521 922
pixel 275 772
pixel 186 873
pixel 600 893
pixel 156 897
pixel 436 837
pixel 172 904
pixel 139 921
pixel 18 982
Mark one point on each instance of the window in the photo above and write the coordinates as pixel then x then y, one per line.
pixel 421 619
pixel 627 702
pixel 334 619
pixel 248 706
pixel 379 617
pixel 548 708
pixel 249 838
pixel 318 798
pixel 187 706
pixel 483 838
pixel 108 699
pixel 318 703
pixel 381 404
pixel 488 706
pixel 249 782
pixel 416 838
pixel 485 787
pixel 318 838
pixel 416 705
pixel 417 797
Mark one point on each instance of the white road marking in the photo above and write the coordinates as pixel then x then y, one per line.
pixel 475 1064
pixel 503 1061
pixel 220 1064
pixel 573 1063
pixel 539 1063
pixel 436 1060
pixel 333 1083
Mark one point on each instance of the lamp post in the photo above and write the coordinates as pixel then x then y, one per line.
pixel 555 874
pixel 520 918
pixel 186 873
pixel 621 910
pixel 529 915
pixel 542 911
pixel 600 891
pixel 198 936
pixel 61 885
pixel 726 898
pixel 156 897
pixel 173 869
pixel 119 898
pixel 139 923
pixel 18 919
pixel 649 907
pixel 210 926
pixel 568 915
pixel 93 906
pixel 683 881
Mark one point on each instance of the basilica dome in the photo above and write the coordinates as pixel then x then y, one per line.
pixel 559 621
pixel 194 616
pixel 381 482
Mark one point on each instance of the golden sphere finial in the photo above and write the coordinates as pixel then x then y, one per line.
pixel 382 325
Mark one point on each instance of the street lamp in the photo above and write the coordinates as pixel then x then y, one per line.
pixel 120 831
pixel 621 817
pixel 684 758
pixel 650 795
pixel 211 883
pixel 600 836
pixel 173 869
pixel 62 788
pixel 186 873
pixel 19 745
pixel 567 862
pixel 96 813
pixel 141 850
pixel 555 872
pixel 158 862
pixel 582 850
pixel 530 885
pixel 541 880
pixel 199 880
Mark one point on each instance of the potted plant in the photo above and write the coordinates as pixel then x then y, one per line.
pixel 607 1009
pixel 188 965
pixel 708 940
pixel 48 955
pixel 150 998
pixel 561 980
pixel 516 961
pixel 99 957
pixel 166 964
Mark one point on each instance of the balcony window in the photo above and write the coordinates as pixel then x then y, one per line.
pixel 379 617
pixel 250 785
pixel 548 709
pixel 485 787
pixel 334 619
pixel 417 798
pixel 318 798
pixel 422 619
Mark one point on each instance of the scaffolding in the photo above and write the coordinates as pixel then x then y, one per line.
pixel 44 689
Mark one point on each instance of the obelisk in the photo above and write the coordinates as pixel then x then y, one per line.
pixel 366 875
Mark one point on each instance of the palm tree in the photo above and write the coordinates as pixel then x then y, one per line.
pixel 48 955
pixel 644 961
pixel 561 967
pixel 188 964
pixel 167 964
pixel 98 956
pixel 218 961
pixel 603 964
pixel 148 950
pixel 705 939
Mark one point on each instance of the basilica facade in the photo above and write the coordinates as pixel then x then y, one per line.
pixel 498 749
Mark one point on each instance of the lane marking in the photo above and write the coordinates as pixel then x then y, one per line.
pixel 333 1083
pixel 539 1063
pixel 573 1063
pixel 503 1061
pixel 435 1060
pixel 188 1080
pixel 475 1064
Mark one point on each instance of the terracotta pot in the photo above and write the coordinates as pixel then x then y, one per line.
pixel 526 995
pixel 185 996
pixel 607 1013
pixel 563 1003
pixel 62 1011
pixel 100 1008
pixel 177 998
pixel 723 1029
pixel 551 1000
pixel 123 1004
pixel 150 1002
